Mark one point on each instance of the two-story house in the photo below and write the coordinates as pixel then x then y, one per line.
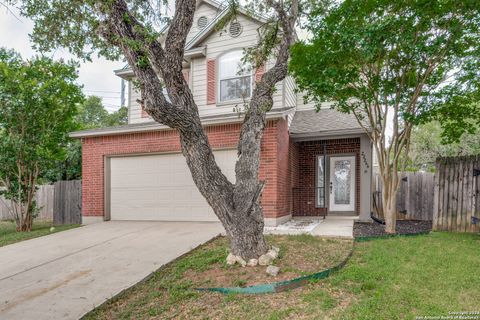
pixel 314 163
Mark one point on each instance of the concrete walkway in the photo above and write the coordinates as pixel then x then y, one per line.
pixel 66 274
pixel 335 227
pixel 330 227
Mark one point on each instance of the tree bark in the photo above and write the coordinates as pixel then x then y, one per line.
pixel 391 184
pixel 390 211
pixel 236 205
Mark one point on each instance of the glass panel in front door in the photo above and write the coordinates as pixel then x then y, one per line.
pixel 342 181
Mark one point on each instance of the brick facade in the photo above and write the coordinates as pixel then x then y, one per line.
pixel 304 172
pixel 287 167
pixel 274 168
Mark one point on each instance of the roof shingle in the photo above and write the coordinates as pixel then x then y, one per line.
pixel 324 122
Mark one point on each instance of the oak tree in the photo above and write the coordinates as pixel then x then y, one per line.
pixel 129 28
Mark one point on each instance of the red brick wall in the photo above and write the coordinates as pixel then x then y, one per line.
pixel 284 184
pixel 304 175
pixel 275 143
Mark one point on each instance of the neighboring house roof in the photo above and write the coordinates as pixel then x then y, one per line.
pixel 325 122
pixel 154 126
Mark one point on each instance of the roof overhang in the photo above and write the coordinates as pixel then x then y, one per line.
pixel 154 126
pixel 326 135
pixel 125 73
pixel 195 53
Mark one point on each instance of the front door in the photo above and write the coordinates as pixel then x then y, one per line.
pixel 342 183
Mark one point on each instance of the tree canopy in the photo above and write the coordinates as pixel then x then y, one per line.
pixel 419 57
pixel 38 103
pixel 91 114
pixel 427 145
pixel 399 62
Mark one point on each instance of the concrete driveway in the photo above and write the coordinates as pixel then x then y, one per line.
pixel 66 274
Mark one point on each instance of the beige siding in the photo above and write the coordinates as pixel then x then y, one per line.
pixel 218 43
pixel 135 114
pixel 289 92
pixel 203 10
pixel 301 104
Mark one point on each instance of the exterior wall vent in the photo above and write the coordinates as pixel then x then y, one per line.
pixel 235 29
pixel 202 22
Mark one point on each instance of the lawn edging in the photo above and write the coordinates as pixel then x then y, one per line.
pixel 280 286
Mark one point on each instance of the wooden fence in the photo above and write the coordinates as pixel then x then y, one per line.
pixel 457 194
pixel 414 199
pixel 61 203
pixel 68 202
pixel 44 198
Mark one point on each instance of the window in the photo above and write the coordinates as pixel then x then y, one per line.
pixel 235 78
pixel 320 187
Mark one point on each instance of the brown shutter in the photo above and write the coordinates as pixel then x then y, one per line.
pixel 186 75
pixel 211 82
pixel 142 105
pixel 259 73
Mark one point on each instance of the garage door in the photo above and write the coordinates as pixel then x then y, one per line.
pixel 160 187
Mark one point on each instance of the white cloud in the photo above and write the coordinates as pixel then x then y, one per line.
pixel 97 77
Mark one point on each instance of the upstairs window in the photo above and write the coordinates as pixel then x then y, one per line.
pixel 235 77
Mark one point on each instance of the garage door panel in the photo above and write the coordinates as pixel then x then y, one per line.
pixel 137 181
pixel 160 187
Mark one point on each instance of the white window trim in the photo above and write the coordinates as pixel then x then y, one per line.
pixel 317 187
pixel 218 80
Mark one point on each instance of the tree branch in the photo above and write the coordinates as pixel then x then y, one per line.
pixel 261 102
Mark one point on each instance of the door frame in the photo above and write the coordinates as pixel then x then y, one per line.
pixel 355 172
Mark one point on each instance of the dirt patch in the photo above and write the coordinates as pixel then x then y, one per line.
pixel 367 229
pixel 299 255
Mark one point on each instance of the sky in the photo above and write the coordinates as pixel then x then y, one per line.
pixel 97 77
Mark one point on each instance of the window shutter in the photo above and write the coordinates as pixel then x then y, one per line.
pixel 144 113
pixel 211 82
pixel 259 73
pixel 186 75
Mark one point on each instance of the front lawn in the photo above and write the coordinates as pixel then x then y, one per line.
pixel 397 278
pixel 8 235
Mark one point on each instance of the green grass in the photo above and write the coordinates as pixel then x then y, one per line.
pixel 397 278
pixel 9 235
pixel 401 278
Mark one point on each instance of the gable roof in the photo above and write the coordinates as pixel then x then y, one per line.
pixel 210 27
pixel 126 71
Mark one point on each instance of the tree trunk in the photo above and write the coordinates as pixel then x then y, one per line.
pixel 390 211
pixel 246 235
pixel 236 205
pixel 25 221
pixel 390 180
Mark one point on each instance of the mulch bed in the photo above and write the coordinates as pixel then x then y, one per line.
pixel 372 229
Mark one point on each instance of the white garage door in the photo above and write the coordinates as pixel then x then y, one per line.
pixel 160 187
